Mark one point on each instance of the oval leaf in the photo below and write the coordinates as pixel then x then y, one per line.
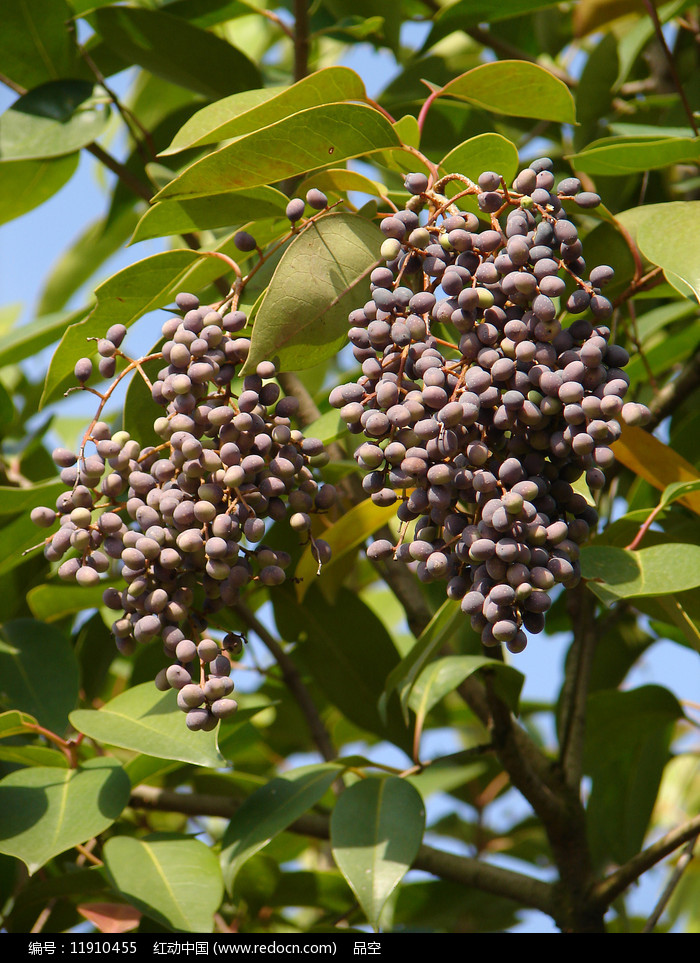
pixel 376 831
pixel 616 156
pixel 648 572
pixel 148 721
pixel 269 811
pixel 672 493
pixel 25 646
pixel 35 43
pixel 205 213
pixel 515 88
pixel 444 675
pixel 52 601
pixel 441 626
pixel 55 118
pixel 485 152
pixel 309 139
pixel 141 287
pixel 252 109
pixel 173 49
pixel 14 723
pixel 627 746
pixel 323 273
pixel 46 810
pixel 663 239
pixel 175 881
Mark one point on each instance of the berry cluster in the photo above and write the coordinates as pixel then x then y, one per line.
pixel 184 522
pixel 480 409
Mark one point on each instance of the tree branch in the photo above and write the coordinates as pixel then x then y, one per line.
pixel 522 760
pixel 460 869
pixel 675 392
pixel 651 10
pixel 510 52
pixel 581 609
pixel 293 680
pixel 301 39
pixel 684 861
pixel 609 889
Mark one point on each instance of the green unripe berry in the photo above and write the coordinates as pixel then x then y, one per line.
pixel 390 249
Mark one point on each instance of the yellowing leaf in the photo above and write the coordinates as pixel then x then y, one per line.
pixel 656 462
pixel 345 535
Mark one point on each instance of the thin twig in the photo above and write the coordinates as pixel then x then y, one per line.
pixel 460 869
pixel 293 680
pixel 675 392
pixel 651 10
pixel 508 51
pixel 615 884
pixel 684 861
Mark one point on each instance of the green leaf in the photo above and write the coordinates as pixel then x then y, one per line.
pixel 390 15
pixel 125 297
pixel 28 339
pixel 343 536
pixel 515 88
pixel 148 721
pixel 79 262
pixel 35 43
pixel 322 274
pixel 674 348
pixel 622 155
pixel 270 810
pixel 485 152
pixel 33 756
pixel 678 490
pixel 302 142
pixel 376 831
pixel 46 810
pixel 336 652
pixel 327 428
pixel 594 92
pixel 15 501
pixel 253 109
pixel 15 723
pixel 7 410
pixel 338 181
pixel 402 676
pixel 166 218
pixel 662 237
pixel 26 647
pixel 443 676
pixel 466 14
pixel 26 184
pixel 658 570
pixel 175 50
pixel 176 881
pixel 57 118
pixel 627 746
pixel 52 601
pixel 18 536
pixel 205 13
